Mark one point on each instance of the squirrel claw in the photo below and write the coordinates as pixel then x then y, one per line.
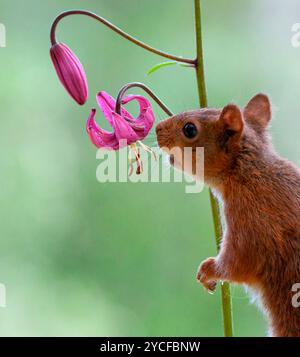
pixel 205 274
pixel 211 286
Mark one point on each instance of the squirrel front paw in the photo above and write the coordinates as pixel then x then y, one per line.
pixel 206 274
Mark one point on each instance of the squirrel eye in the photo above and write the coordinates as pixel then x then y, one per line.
pixel 190 130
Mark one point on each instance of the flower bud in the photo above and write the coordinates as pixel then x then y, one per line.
pixel 70 72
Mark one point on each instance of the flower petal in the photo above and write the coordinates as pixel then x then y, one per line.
pixel 146 116
pixel 123 129
pixel 100 137
pixel 108 104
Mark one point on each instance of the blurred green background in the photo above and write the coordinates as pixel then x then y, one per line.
pixel 83 258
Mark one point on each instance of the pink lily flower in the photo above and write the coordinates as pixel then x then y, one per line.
pixel 70 72
pixel 125 126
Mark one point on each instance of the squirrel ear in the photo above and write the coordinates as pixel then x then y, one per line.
pixel 231 119
pixel 258 110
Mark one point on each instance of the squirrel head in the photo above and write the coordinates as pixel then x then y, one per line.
pixel 227 136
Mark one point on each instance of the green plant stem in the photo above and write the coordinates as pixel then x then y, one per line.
pixel 225 287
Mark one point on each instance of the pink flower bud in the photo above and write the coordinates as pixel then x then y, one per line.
pixel 70 72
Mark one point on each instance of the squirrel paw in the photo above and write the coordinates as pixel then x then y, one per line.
pixel 206 274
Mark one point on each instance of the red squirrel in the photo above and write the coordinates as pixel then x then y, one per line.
pixel 260 194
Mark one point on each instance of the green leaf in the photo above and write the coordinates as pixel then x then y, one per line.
pixel 160 65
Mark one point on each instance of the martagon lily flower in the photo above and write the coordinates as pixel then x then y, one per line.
pixel 126 128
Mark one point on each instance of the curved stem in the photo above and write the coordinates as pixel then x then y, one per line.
pixel 125 88
pixel 117 30
pixel 225 287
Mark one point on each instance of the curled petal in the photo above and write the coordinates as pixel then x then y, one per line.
pixel 146 116
pixel 108 104
pixel 123 129
pixel 100 137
